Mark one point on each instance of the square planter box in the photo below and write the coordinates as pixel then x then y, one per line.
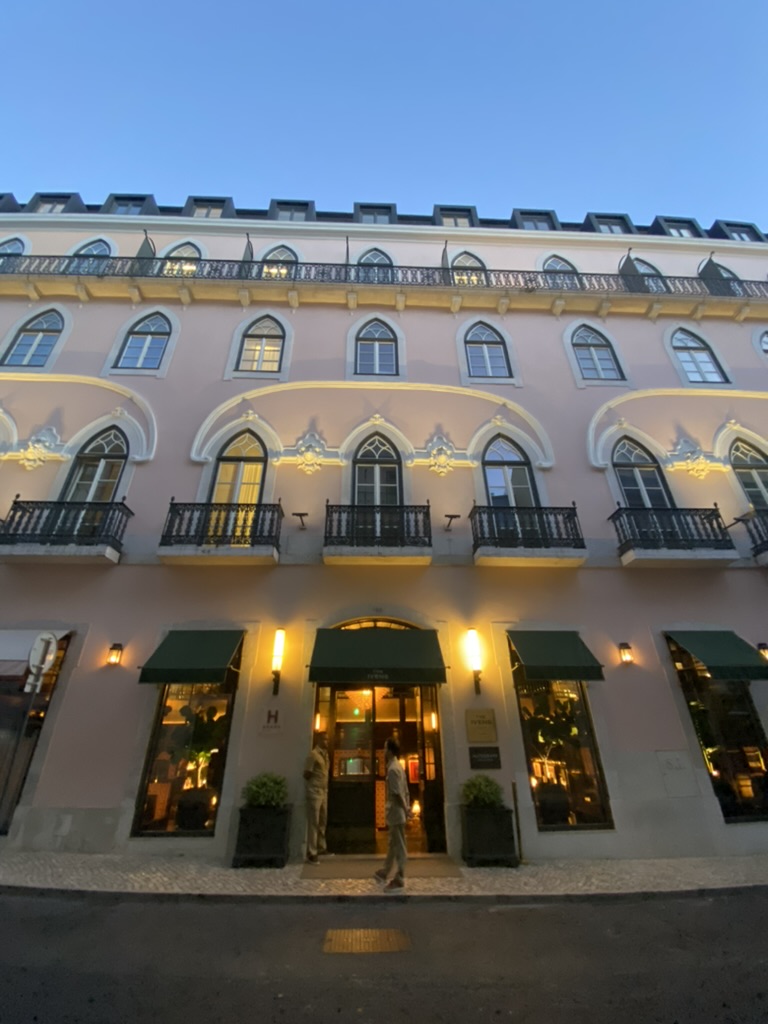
pixel 262 837
pixel 488 837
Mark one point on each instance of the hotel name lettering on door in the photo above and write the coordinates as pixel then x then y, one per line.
pixel 377 675
pixel 481 726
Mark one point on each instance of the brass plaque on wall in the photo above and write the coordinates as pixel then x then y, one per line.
pixel 481 726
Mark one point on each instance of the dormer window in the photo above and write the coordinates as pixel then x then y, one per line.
pixel 211 211
pixel 612 225
pixel 50 204
pixel 126 206
pixel 536 221
pixel 375 215
pixel 742 233
pixel 291 211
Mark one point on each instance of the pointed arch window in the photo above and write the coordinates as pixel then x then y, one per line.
pixel 89 258
pixel 651 276
pixel 376 350
pixel 12 247
pixel 145 344
pixel 35 341
pixel 508 477
pixel 468 271
pixel 719 280
pixel 377 473
pixel 486 352
pixel 261 348
pixel 697 359
pixel 595 355
pixel 240 469
pixel 375 267
pixel 98 468
pixel 764 343
pixel 279 264
pixel 751 467
pixel 561 274
pixel 182 261
pixel 640 478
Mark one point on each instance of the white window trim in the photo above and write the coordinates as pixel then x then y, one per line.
pixel 22 238
pixel 231 371
pixel 165 252
pixel 723 440
pixel 214 444
pixel 580 381
pixel 137 451
pixel 110 370
pixel 470 381
pixel 351 350
pixel 73 249
pixel 355 259
pixel 542 259
pixel 8 340
pixel 352 442
pixel 608 442
pixel 695 329
pixel 536 458
pixel 259 255
pixel 757 335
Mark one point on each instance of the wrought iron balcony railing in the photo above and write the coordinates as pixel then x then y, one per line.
pixel 493 526
pixel 344 274
pixel 390 526
pixel 680 529
pixel 222 525
pixel 66 522
pixel 757 528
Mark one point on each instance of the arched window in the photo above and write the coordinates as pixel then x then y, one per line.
pixel 89 258
pixel 561 274
pixel 377 478
pixel 764 343
pixel 468 271
pixel 486 352
pixel 653 279
pixel 697 359
pixel 145 344
pixel 374 267
pixel 376 350
pixel 751 468
pixel 239 477
pixel 595 355
pixel 640 478
pixel 35 341
pixel 279 264
pixel 181 261
pixel 509 481
pixel 98 468
pixel 261 348
pixel 11 247
pixel 720 280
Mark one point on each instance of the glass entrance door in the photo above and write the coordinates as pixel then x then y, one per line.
pixel 358 720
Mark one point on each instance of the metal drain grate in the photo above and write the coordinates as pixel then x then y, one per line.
pixel 365 940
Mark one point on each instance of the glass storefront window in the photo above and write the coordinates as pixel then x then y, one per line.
pixel 731 736
pixel 566 778
pixel 186 760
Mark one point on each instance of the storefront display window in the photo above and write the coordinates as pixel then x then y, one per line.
pixel 566 778
pixel 186 760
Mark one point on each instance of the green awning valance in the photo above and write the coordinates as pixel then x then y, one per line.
pixel 193 656
pixel 374 655
pixel 554 654
pixel 726 655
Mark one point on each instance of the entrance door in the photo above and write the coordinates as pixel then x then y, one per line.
pixel 358 720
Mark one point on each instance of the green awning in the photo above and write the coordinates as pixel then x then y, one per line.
pixel 374 655
pixel 554 654
pixel 726 655
pixel 193 656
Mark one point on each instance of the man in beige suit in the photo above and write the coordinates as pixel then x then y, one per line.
pixel 316 792
pixel 398 806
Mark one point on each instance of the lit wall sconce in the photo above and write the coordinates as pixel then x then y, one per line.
pixel 763 648
pixel 277 659
pixel 626 654
pixel 472 648
pixel 115 654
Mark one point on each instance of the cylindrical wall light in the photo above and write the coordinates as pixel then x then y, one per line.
pixel 277 659
pixel 472 651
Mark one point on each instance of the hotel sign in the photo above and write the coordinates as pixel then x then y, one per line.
pixel 481 726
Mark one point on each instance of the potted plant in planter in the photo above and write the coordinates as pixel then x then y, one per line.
pixel 487 830
pixel 265 819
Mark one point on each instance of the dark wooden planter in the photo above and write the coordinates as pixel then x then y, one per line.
pixel 488 837
pixel 262 837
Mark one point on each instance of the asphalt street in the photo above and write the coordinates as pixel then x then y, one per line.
pixel 104 960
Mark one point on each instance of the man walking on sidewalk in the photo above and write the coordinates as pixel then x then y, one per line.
pixel 316 793
pixel 398 806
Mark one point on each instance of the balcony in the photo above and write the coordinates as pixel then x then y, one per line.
pixel 664 537
pixel 547 537
pixel 757 528
pixel 377 535
pixel 242 281
pixel 64 532
pixel 221 534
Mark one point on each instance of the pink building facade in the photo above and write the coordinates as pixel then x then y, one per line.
pixel 500 487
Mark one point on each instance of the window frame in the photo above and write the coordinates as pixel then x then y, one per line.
pixel 386 212
pixel 502 343
pixel 573 273
pixel 82 458
pixel 478 267
pixel 581 381
pixel 247 333
pixel 378 345
pixel 640 485
pixel 8 351
pixel 524 461
pixel 357 462
pixel 742 470
pixel 231 371
pixel 351 371
pixel 706 346
pixel 15 329
pixel 380 272
pixel 111 369
pixel 446 216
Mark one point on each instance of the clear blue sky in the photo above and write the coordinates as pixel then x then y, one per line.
pixel 603 105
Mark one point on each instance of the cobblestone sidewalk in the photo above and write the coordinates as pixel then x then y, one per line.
pixel 185 875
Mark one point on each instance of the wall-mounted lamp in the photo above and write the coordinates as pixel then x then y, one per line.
pixel 626 654
pixel 115 654
pixel 763 648
pixel 472 649
pixel 277 659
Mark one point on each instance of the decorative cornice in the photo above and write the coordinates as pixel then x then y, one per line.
pixel 43 447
